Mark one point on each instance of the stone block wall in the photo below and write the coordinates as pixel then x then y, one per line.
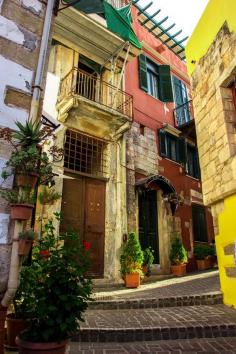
pixel 215 116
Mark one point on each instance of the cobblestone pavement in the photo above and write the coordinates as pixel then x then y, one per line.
pixel 203 345
pixel 162 317
pixel 194 284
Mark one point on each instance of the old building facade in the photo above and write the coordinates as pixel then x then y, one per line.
pixel 212 66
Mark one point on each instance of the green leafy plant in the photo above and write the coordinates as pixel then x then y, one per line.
pixel 14 196
pixel 178 254
pixel 27 235
pixel 201 251
pixel 48 196
pixel 59 291
pixel 131 258
pixel 148 256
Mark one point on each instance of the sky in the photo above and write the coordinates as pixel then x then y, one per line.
pixel 184 13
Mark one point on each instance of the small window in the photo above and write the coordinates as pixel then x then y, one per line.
pixel 169 146
pixel 193 168
pixel 155 79
pixel 199 223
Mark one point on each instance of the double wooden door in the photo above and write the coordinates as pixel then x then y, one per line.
pixel 83 209
pixel 148 227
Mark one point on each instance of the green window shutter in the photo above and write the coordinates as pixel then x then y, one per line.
pixel 182 151
pixel 165 89
pixel 143 73
pixel 162 143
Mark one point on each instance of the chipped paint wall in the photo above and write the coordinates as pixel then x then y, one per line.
pixel 21 24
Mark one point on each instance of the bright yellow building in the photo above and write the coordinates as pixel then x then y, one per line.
pixel 211 58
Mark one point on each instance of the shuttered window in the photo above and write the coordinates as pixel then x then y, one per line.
pixel 155 79
pixel 193 168
pixel 169 146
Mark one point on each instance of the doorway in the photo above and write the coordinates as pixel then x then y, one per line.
pixel 148 223
pixel 83 209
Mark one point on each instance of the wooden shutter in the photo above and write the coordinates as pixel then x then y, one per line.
pixel 165 88
pixel 199 223
pixel 143 73
pixel 162 143
pixel 182 151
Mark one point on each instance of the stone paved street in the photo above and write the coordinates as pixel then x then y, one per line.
pixel 203 345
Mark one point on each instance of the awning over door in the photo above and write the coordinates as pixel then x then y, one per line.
pixel 165 185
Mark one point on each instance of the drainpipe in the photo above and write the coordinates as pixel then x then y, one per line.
pixel 33 115
pixel 37 88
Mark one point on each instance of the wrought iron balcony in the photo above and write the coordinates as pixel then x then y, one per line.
pixel 92 88
pixel 183 113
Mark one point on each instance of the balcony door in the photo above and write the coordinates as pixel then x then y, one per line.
pixel 83 209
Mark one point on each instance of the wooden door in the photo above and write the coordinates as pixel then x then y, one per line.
pixel 94 226
pixel 148 228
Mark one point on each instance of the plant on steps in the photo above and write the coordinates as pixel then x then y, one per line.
pixel 203 253
pixel 148 259
pixel 178 257
pixel 131 260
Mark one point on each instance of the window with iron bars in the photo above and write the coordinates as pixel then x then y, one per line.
pixel 85 154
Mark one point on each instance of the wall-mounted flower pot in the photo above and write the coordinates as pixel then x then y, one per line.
pixel 21 211
pixel 179 270
pixel 24 247
pixel 132 280
pixel 26 180
pixel 14 327
pixel 39 348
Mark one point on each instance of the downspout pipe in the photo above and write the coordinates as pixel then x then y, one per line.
pixel 14 271
pixel 37 87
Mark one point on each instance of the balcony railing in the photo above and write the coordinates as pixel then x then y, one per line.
pixel 183 113
pixel 78 82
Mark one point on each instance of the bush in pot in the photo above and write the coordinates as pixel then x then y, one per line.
pixel 26 238
pixel 59 293
pixel 202 253
pixel 178 257
pixel 148 259
pixel 131 260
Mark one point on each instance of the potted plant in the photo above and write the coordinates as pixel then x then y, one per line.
pixel 26 238
pixel 203 253
pixel 18 319
pixel 148 259
pixel 48 196
pixel 59 293
pixel 178 257
pixel 131 260
pixel 21 202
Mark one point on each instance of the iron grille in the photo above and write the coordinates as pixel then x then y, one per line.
pixel 85 154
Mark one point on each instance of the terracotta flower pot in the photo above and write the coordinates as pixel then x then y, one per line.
pixel 179 269
pixel 26 179
pixel 21 211
pixel 24 247
pixel 41 348
pixel 14 327
pixel 201 264
pixel 132 280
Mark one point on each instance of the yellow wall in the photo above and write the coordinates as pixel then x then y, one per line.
pixel 214 16
pixel 227 236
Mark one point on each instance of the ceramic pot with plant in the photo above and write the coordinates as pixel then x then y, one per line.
pixel 203 253
pixel 178 257
pixel 59 293
pixel 148 259
pixel 131 260
pixel 26 238
pixel 21 202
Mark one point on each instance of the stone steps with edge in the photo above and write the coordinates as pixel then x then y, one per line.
pixel 132 325
pixel 141 303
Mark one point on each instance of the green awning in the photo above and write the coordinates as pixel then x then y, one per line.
pixel 119 21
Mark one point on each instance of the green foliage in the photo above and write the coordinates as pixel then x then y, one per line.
pixel 48 196
pixel 131 258
pixel 201 251
pixel 13 196
pixel 178 254
pixel 58 293
pixel 27 235
pixel 29 133
pixel 148 256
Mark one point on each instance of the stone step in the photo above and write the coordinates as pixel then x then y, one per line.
pixel 110 303
pixel 132 325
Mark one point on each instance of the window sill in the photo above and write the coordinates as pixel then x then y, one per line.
pixel 195 178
